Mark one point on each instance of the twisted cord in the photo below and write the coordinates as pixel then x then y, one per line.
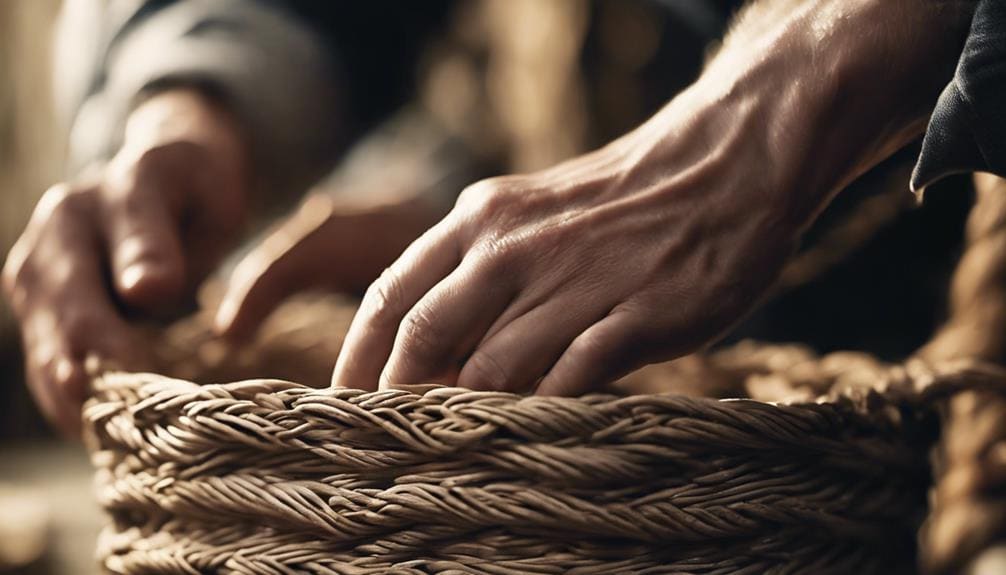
pixel 969 516
pixel 180 547
pixel 376 476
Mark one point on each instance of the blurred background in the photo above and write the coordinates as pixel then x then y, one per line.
pixel 46 507
pixel 31 150
pixel 520 84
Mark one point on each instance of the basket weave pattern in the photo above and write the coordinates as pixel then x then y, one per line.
pixel 823 469
pixel 268 476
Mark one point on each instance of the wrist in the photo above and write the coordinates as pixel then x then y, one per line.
pixel 815 97
pixel 874 70
pixel 858 83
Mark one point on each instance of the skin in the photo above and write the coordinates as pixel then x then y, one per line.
pixel 556 281
pixel 329 243
pixel 133 235
pixel 654 245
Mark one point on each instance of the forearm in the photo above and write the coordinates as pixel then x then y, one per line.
pixel 825 88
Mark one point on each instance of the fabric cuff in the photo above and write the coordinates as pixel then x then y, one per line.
pixel 949 146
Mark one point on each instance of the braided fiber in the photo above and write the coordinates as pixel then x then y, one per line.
pixel 967 525
pixel 824 468
pixel 267 476
pixel 272 477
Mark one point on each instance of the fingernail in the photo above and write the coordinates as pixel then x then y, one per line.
pixel 132 275
pixel 225 315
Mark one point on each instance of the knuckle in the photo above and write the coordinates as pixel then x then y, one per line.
pixel 420 335
pixel 493 210
pixel 64 373
pixel 168 156
pixel 500 255
pixel 21 267
pixel 384 298
pixel 475 193
pixel 12 274
pixel 54 198
pixel 489 199
pixel 487 372
pixel 61 199
pixel 592 345
pixel 16 281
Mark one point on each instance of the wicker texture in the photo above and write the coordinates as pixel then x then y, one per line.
pixel 262 476
pixel 824 469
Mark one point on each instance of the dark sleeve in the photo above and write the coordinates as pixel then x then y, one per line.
pixel 967 131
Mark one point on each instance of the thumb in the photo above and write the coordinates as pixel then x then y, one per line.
pixel 148 267
pixel 287 261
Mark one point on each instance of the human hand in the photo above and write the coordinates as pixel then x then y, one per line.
pixel 651 247
pixel 138 234
pixel 570 277
pixel 327 244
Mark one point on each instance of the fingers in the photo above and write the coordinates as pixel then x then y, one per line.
pixel 148 267
pixel 519 354
pixel 258 284
pixel 263 279
pixel 599 355
pixel 372 333
pixel 56 287
pixel 278 267
pixel 58 384
pixel 446 324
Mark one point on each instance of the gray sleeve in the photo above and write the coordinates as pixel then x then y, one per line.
pixel 275 72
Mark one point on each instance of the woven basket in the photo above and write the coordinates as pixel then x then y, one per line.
pixel 823 468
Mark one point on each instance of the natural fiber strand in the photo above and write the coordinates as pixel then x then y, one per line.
pixel 379 476
pixel 968 518
pixel 824 468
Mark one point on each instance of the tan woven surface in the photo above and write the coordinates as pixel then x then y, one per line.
pixel 251 476
pixel 266 476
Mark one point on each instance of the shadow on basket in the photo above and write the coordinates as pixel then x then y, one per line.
pixel 751 459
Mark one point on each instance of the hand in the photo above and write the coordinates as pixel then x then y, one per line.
pixel 136 235
pixel 573 276
pixel 651 247
pixel 327 244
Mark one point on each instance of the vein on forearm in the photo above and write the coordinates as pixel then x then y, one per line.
pixel 863 74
